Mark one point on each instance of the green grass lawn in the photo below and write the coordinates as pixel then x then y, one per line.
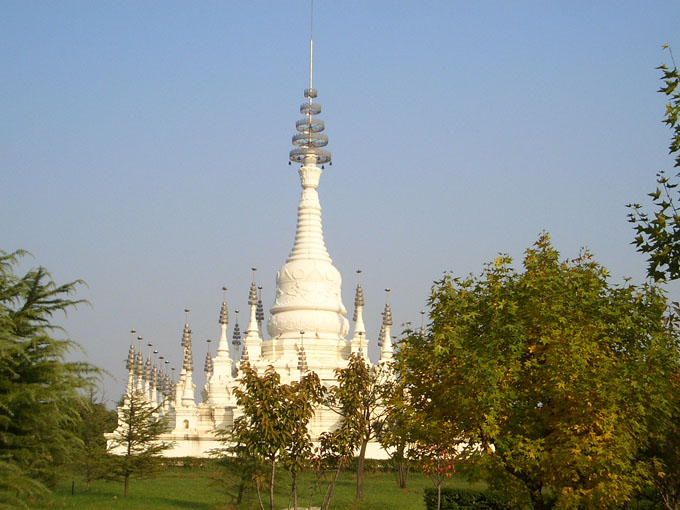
pixel 204 488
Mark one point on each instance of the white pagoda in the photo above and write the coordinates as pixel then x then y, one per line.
pixel 307 329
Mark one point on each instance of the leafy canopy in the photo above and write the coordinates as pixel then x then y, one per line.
pixel 658 235
pixel 551 375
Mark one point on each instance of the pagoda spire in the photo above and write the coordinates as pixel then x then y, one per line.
pixel 253 340
pixel 139 365
pixel 130 365
pixel 253 332
pixel 187 387
pixel 386 350
pixel 223 345
pixel 236 337
pixel 359 344
pixel 208 365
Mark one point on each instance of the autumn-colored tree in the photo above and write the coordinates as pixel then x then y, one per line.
pixel 436 453
pixel 551 375
pixel 658 235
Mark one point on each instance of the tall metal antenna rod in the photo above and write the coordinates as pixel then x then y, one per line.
pixel 311 46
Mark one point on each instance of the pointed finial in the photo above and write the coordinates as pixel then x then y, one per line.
pixel 237 333
pixel 309 140
pixel 186 312
pixel 252 297
pixel 358 298
pixel 260 307
pixel 311 45
pixel 208 366
pixel 224 314
pixel 422 323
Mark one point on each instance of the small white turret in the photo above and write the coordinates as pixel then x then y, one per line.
pixel 139 367
pixel 223 345
pixel 386 351
pixel 359 343
pixel 253 340
pixel 130 365
pixel 186 386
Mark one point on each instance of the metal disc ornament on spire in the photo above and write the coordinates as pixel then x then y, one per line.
pixel 310 139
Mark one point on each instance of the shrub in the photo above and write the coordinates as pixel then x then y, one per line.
pixel 455 499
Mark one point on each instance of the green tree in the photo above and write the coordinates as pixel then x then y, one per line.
pixel 38 387
pixel 136 443
pixel 551 375
pixel 658 235
pixel 92 458
pixel 274 424
pixel 359 399
pixel 397 433
pixel 664 452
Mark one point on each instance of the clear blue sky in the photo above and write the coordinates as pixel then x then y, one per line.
pixel 143 146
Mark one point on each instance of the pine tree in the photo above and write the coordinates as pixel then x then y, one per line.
pixel 38 387
pixel 135 443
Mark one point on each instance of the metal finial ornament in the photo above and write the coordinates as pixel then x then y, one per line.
pixel 422 323
pixel 186 312
pixel 252 297
pixel 237 333
pixel 358 301
pixel 387 313
pixel 302 360
pixel 130 363
pixel 310 139
pixel 259 311
pixel 140 356
pixel 224 314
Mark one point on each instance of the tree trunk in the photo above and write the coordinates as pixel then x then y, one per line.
pixel 331 488
pixel 259 494
pixel 439 496
pixel 360 469
pixel 127 484
pixel 295 495
pixel 241 488
pixel 538 502
pixel 271 486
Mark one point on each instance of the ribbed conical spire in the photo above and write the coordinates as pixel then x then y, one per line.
pixel 358 300
pixel 223 345
pixel 224 313
pixel 359 340
pixel 253 331
pixel 386 340
pixel 131 365
pixel 208 366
